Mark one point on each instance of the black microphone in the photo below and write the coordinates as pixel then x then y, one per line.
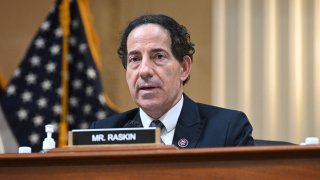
pixel 132 124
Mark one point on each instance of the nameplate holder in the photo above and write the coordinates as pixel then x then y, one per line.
pixel 114 136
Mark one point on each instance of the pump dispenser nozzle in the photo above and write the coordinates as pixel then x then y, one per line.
pixel 49 142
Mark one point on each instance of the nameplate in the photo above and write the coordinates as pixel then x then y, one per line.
pixel 114 136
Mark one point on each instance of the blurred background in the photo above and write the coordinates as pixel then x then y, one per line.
pixel 258 56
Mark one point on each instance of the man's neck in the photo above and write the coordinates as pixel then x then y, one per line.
pixel 158 113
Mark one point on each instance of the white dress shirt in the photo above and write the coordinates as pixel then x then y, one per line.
pixel 169 120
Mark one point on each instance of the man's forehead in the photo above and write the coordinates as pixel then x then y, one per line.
pixel 149 26
pixel 148 32
pixel 153 50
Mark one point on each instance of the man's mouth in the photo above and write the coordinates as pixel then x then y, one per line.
pixel 146 88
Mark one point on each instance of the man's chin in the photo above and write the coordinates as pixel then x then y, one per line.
pixel 149 94
pixel 153 110
pixel 149 104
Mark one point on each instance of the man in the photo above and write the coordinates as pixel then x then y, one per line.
pixel 157 54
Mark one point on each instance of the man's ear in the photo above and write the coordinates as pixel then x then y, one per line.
pixel 186 67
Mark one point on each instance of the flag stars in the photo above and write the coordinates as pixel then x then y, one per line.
pixel 70 119
pixel 77 84
pixel 55 50
pixel 70 58
pixel 26 96
pixel 59 91
pixel 45 26
pixel 51 67
pixel 83 47
pixel 17 72
pixel 55 125
pixel 102 99
pixel 22 114
pixel 73 41
pixel 75 24
pixel 58 33
pixel 34 138
pixel 11 90
pixel 89 91
pixel 73 101
pixel 56 109
pixel 46 85
pixel 39 43
pixel 101 115
pixel 31 78
pixel 87 109
pixel 38 120
pixel 83 125
pixel 53 8
pixel 80 66
pixel 35 60
pixel 91 73
pixel 42 103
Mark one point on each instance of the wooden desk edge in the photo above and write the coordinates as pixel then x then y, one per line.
pixel 108 153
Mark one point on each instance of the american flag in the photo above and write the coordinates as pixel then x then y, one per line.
pixel 33 97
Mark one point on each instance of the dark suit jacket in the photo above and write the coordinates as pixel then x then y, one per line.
pixel 199 125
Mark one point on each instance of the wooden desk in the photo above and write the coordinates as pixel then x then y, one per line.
pixel 164 162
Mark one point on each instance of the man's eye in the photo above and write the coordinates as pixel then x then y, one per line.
pixel 159 56
pixel 133 59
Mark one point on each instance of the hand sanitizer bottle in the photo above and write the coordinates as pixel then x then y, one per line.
pixel 48 142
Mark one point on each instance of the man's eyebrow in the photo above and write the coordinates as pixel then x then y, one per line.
pixel 158 50
pixel 133 52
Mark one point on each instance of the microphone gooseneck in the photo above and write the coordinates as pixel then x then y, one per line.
pixel 132 124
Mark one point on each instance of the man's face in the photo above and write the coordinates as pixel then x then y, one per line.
pixel 154 76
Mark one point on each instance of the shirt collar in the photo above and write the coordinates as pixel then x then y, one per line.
pixel 169 119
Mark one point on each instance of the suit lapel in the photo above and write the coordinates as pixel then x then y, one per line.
pixel 137 119
pixel 132 119
pixel 189 126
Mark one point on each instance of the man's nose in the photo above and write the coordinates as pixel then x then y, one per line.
pixel 146 68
